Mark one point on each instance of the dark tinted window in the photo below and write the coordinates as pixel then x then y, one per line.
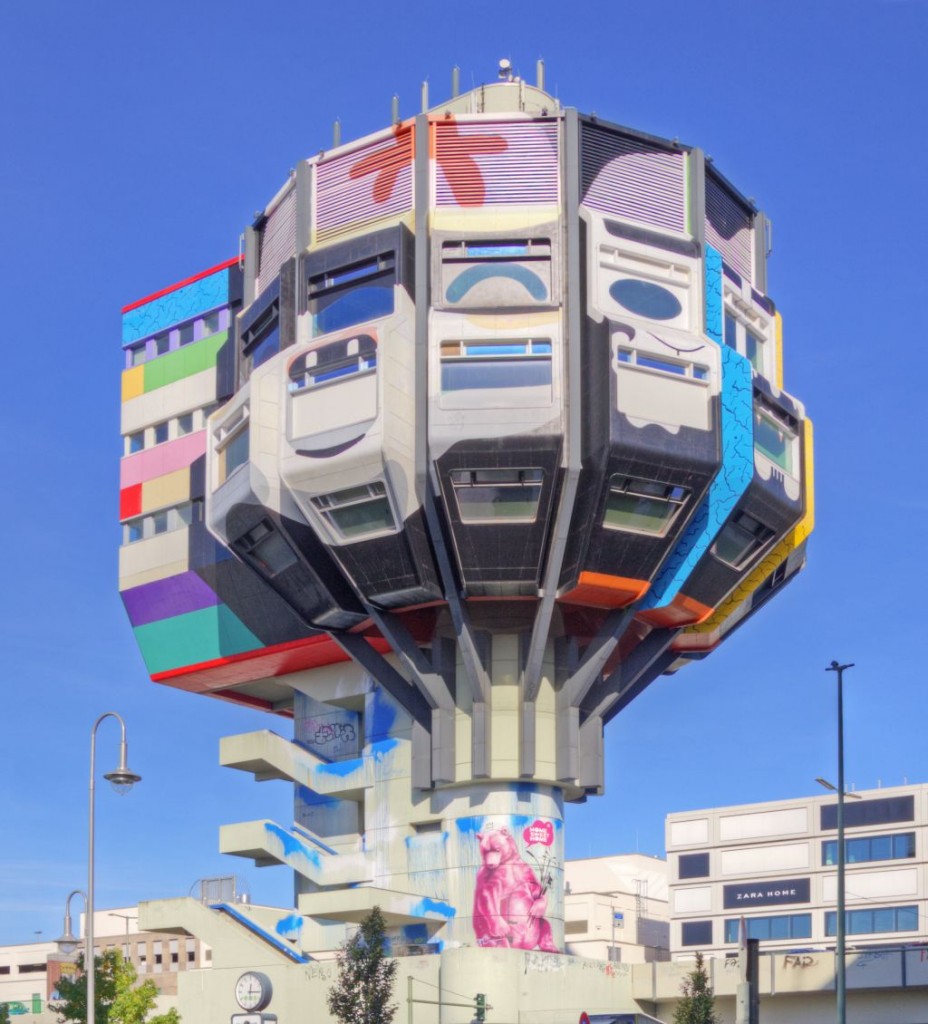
pixel 694 865
pixel 697 933
pixel 870 812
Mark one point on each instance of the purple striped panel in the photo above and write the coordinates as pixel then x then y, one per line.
pixel 496 163
pixel 729 228
pixel 165 598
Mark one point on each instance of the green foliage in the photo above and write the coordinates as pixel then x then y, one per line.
pixel 4 1014
pixel 366 977
pixel 118 999
pixel 698 1004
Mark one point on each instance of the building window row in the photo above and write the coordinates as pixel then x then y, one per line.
pixel 167 430
pixel 868 848
pixel 165 520
pixel 177 337
pixel 778 927
pixel 860 813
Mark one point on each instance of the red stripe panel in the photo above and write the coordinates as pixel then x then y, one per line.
pixel 180 284
pixel 130 501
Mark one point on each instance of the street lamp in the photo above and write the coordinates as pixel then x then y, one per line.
pixel 127 918
pixel 841 924
pixel 68 941
pixel 122 780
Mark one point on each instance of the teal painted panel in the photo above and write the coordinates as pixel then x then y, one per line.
pixel 181 304
pixel 202 635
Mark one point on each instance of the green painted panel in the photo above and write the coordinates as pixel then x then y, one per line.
pixel 194 637
pixel 184 362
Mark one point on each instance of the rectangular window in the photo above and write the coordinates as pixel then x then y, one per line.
pixel 162 343
pixel 137 355
pixel 741 539
pixel 136 441
pixel 211 324
pixel 731 332
pixel 352 295
pixel 754 350
pixel 494 273
pixel 642 506
pixel 693 865
pixel 185 334
pixel 232 443
pixel 185 424
pixel 780 926
pixel 191 956
pixel 646 361
pixel 334 361
pixel 874 920
pixel 774 439
pixel 495 363
pixel 159 522
pixel 696 933
pixel 160 432
pixel 357 511
pixel 497 495
pixel 263 545
pixel 261 339
pixel 870 848
pixel 132 531
pixel 858 813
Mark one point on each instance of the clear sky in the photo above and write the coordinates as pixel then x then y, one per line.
pixel 137 140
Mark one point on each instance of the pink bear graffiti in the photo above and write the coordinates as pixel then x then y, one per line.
pixel 509 901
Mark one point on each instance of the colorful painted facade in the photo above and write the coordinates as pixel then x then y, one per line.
pixel 484 432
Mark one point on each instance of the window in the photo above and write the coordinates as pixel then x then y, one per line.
pixel 646 361
pixel 185 334
pixel 642 506
pixel 495 273
pixel 742 338
pixel 191 956
pixel 161 432
pixel 162 343
pixel 857 813
pixel 774 436
pixel 5 969
pixel 494 363
pixel 136 441
pixel 163 521
pixel 266 547
pixel 333 362
pixel 693 865
pixel 185 424
pixel 696 933
pixel 32 968
pixel 357 511
pixel 211 324
pixel 867 848
pixel 352 295
pixel 780 926
pixel 740 540
pixel 232 444
pixel 261 339
pixel 497 495
pixel 137 355
pixel 873 920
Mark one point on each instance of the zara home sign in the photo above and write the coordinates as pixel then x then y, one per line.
pixel 766 894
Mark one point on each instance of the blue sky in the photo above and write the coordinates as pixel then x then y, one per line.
pixel 138 140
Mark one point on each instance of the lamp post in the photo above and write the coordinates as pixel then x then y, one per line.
pixel 122 781
pixel 68 941
pixel 840 924
pixel 127 918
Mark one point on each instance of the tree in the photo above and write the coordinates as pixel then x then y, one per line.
pixel 118 999
pixel 4 1013
pixel 366 977
pixel 698 1004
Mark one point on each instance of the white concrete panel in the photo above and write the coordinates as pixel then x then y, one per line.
pixel 755 859
pixel 759 824
pixel 688 833
pixel 867 885
pixel 698 898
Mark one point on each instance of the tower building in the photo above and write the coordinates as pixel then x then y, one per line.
pixel 482 432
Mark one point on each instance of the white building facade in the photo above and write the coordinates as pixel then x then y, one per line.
pixel 775 865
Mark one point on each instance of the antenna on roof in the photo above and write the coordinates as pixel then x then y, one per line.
pixel 455 81
pixel 505 70
pixel 396 108
pixel 425 96
pixel 337 133
pixel 540 73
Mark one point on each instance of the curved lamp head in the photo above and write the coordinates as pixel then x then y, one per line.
pixel 67 943
pixel 122 780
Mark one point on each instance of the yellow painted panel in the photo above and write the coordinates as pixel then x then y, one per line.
pixel 170 489
pixel 779 370
pixel 133 383
pixel 778 554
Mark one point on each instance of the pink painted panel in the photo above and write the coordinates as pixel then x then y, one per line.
pixel 163 458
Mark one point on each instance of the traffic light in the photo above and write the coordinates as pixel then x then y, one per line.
pixel 480 1007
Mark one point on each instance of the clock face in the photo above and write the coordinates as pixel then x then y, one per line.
pixel 253 991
